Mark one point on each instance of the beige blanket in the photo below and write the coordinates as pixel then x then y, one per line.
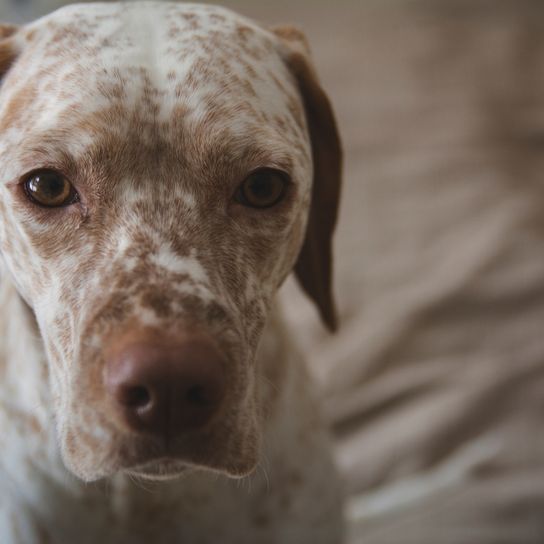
pixel 435 383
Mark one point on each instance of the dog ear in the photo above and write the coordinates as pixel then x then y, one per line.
pixel 314 265
pixel 8 47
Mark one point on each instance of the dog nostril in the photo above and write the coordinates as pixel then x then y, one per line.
pixel 197 395
pixel 137 397
pixel 168 389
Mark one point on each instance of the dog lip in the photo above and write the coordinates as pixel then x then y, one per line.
pixel 158 467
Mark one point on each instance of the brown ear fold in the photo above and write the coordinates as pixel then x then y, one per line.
pixel 314 265
pixel 8 49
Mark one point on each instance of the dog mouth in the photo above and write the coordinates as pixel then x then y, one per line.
pixel 92 458
pixel 162 468
pixel 155 459
pixel 152 461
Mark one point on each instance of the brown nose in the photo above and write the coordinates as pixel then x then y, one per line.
pixel 166 389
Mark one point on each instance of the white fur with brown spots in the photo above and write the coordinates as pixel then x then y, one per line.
pixel 156 113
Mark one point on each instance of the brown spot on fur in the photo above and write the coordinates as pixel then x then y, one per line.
pixel 250 71
pixel 217 18
pixel 193 20
pixel 7 30
pixel 7 55
pixel 117 308
pixel 159 301
pixel 17 106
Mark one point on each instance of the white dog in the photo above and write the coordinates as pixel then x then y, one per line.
pixel 163 167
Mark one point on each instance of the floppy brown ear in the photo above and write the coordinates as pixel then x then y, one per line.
pixel 314 265
pixel 8 49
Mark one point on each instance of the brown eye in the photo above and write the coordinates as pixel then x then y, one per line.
pixel 50 189
pixel 263 188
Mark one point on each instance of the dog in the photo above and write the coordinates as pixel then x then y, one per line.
pixel 163 168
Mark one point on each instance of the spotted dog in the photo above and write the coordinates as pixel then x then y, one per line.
pixel 163 168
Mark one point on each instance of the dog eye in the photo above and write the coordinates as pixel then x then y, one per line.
pixel 263 188
pixel 49 189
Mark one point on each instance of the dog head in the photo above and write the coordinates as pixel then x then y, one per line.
pixel 163 167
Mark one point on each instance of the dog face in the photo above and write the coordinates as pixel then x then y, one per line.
pixel 156 172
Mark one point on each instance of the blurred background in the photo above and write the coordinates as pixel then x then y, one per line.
pixel 434 385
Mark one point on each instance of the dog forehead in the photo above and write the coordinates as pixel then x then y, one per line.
pixel 152 69
pixel 155 56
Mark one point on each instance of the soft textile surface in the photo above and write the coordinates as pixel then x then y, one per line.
pixel 434 384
